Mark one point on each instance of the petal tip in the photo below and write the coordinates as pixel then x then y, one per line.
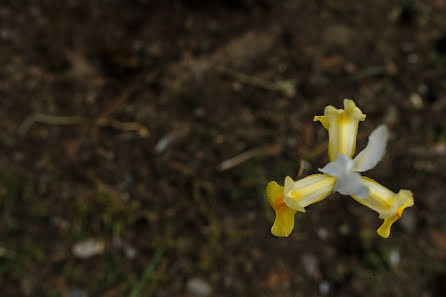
pixel 280 232
pixel 352 110
pixel 383 231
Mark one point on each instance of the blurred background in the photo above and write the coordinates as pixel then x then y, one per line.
pixel 137 138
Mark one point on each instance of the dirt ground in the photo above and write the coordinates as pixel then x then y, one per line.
pixel 137 138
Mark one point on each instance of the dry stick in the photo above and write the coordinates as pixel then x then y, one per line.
pixel 300 173
pixel 78 120
pixel 286 86
pixel 115 104
pixel 249 154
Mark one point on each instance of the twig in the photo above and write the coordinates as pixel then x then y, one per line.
pixel 50 120
pixel 142 131
pixel 286 86
pixel 245 156
pixel 300 173
pixel 136 291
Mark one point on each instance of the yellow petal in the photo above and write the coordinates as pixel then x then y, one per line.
pixel 323 121
pixel 382 200
pixel 284 222
pixel 273 193
pixel 384 230
pixel 388 204
pixel 308 190
pixel 342 126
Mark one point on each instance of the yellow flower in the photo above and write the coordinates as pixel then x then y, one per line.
pixel 295 196
pixel 341 175
pixel 342 126
pixel 389 205
pixel 284 222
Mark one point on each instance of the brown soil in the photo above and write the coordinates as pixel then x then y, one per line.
pixel 117 117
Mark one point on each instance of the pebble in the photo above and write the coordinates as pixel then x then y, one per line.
pixel 165 142
pixel 88 248
pixel 129 251
pixel 198 287
pixel 322 233
pixel 77 293
pixel 394 257
pixel 311 264
pixel 324 287
pixel 391 115
pixel 344 229
pixel 416 101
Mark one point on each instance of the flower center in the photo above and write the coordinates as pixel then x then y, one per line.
pixel 280 205
pixel 398 213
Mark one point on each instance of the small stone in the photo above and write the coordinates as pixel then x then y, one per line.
pixel 5 34
pixel 324 287
pixel 77 293
pixel 391 115
pixel 394 257
pixel 198 287
pixel 164 142
pixel 88 248
pixel 130 252
pixel 344 229
pixel 322 233
pixel 416 101
pixel 311 264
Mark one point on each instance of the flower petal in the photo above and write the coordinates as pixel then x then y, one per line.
pixel 342 126
pixel 348 182
pixel 388 204
pixel 306 191
pixel 273 193
pixel 374 151
pixel 284 222
pixel 384 230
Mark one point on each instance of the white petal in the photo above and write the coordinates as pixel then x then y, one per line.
pixel 348 182
pixel 374 151
pixel 351 184
pixel 341 166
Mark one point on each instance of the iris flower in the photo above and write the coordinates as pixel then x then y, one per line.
pixel 341 175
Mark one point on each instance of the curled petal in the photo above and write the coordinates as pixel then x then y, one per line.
pixel 388 204
pixel 284 222
pixel 342 126
pixel 311 189
pixel 384 230
pixel 348 182
pixel 374 151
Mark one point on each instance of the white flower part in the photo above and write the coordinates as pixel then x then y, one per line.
pixel 290 202
pixel 288 186
pixel 348 182
pixel 374 151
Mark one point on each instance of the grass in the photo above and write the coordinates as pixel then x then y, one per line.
pixel 146 276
